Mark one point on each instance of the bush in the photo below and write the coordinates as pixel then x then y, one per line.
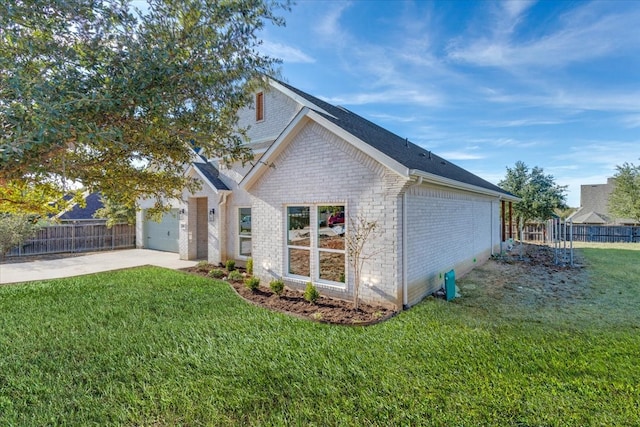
pixel 235 276
pixel 277 286
pixel 311 294
pixel 216 273
pixel 250 266
pixel 231 265
pixel 203 266
pixel 252 283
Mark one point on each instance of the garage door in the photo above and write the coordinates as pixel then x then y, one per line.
pixel 163 235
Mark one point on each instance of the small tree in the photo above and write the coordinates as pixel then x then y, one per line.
pixel 624 200
pixel 358 234
pixel 15 229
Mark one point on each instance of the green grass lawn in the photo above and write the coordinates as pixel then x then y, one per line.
pixel 155 347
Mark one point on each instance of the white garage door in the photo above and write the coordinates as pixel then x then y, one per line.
pixel 163 235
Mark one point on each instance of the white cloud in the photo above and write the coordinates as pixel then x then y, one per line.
pixel 389 96
pixel 461 155
pixel 287 53
pixel 586 33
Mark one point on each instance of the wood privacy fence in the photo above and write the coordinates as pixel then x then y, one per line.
pixel 536 232
pixel 79 237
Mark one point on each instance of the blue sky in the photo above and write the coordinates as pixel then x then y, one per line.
pixel 483 84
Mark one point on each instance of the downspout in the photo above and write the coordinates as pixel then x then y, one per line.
pixel 405 285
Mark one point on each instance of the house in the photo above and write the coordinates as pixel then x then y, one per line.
pixel 316 167
pixel 77 213
pixel 594 206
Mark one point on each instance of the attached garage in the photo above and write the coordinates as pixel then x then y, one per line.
pixel 163 235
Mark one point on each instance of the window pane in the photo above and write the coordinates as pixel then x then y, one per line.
pixel 298 230
pixel 245 246
pixel 245 221
pixel 299 262
pixel 331 226
pixel 332 266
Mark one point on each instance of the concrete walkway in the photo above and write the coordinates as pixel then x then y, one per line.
pixel 87 264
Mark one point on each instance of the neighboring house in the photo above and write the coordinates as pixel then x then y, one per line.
pixel 316 166
pixel 83 214
pixel 594 206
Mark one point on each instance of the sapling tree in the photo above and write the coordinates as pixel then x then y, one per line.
pixel 359 233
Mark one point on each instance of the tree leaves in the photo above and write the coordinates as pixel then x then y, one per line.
pixel 624 200
pixel 539 193
pixel 90 90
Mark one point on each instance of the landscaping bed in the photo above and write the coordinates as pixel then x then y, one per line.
pixel 325 309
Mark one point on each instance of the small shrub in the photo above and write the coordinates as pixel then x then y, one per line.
pixel 231 265
pixel 216 273
pixel 203 266
pixel 250 266
pixel 311 294
pixel 252 283
pixel 235 276
pixel 277 286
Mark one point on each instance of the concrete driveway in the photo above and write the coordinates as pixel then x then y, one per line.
pixel 87 264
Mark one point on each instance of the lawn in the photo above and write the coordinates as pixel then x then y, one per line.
pixel 155 347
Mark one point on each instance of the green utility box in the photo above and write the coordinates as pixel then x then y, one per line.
pixel 450 285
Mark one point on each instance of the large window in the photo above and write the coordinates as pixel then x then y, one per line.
pixel 299 240
pixel 330 244
pixel 244 227
pixel 320 243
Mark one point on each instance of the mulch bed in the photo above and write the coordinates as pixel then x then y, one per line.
pixel 325 310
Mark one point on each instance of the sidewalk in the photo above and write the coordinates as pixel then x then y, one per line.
pixel 87 264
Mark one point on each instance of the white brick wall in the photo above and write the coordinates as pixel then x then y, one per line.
pixel 319 168
pixel 279 110
pixel 446 230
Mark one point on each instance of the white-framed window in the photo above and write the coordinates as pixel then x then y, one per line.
pixel 316 243
pixel 244 232
pixel 259 106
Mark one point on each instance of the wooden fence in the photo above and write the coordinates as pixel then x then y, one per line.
pixel 79 237
pixel 536 232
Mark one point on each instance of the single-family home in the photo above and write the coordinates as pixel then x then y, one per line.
pixel 317 168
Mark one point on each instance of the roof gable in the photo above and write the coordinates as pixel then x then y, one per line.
pixel 399 154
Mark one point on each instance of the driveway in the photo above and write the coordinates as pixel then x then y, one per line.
pixel 87 264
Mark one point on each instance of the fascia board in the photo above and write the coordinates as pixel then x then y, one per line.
pixel 382 158
pixel 447 182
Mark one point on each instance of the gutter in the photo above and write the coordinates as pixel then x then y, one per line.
pixel 447 182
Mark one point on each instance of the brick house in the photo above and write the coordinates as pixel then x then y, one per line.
pixel 316 167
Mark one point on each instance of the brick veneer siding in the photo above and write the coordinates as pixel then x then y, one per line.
pixel 317 167
pixel 279 110
pixel 446 230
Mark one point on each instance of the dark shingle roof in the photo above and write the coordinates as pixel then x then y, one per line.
pixel 212 174
pixel 400 149
pixel 93 204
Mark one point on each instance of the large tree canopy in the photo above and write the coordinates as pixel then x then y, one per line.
pixel 539 193
pixel 97 93
pixel 624 200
